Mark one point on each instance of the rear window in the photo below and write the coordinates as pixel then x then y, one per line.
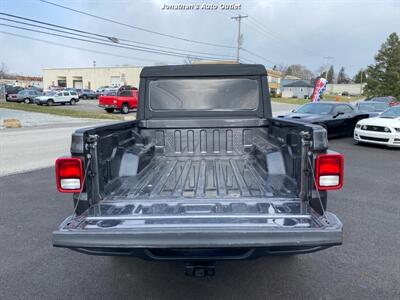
pixel 125 93
pixel 73 93
pixel 211 94
pixel 315 108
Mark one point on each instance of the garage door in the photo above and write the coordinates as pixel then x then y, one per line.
pixel 78 84
pixel 115 81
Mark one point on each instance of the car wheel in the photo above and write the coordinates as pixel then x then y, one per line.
pixel 124 109
pixel 72 102
pixel 110 110
pixel 27 101
pixel 50 102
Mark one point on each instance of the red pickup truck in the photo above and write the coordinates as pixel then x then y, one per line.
pixel 124 101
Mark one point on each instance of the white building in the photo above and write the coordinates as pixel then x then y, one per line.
pixel 91 78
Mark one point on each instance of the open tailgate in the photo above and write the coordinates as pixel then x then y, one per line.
pixel 212 223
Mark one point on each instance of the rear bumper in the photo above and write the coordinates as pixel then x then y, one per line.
pixel 109 240
pixel 107 106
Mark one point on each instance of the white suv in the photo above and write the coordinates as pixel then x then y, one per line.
pixel 62 97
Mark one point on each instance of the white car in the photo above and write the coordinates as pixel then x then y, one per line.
pixel 54 97
pixel 383 130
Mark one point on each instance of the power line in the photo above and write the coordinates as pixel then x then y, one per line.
pixel 246 50
pixel 107 38
pixel 73 47
pixel 239 36
pixel 137 48
pixel 259 56
pixel 137 27
pixel 263 30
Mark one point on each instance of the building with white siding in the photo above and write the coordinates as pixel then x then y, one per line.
pixel 91 78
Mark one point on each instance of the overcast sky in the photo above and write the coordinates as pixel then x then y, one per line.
pixel 282 32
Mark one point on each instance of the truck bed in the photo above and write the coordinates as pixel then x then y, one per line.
pixel 209 187
pixel 202 177
pixel 202 163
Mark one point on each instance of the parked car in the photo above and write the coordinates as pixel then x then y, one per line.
pixel 383 130
pixel 35 88
pixel 204 174
pixel 339 119
pixel 372 108
pixel 61 97
pixel 26 96
pixel 126 88
pixel 86 94
pixel 390 100
pixel 109 93
pixel 124 101
pixel 104 90
pixel 12 91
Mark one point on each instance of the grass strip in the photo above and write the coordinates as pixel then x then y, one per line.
pixel 59 111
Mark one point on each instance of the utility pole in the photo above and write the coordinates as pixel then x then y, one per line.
pixel 239 37
pixel 94 75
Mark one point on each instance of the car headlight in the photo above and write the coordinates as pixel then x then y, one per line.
pixel 386 129
pixel 397 129
pixel 364 127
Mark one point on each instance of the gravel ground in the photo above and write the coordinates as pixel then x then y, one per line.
pixel 29 119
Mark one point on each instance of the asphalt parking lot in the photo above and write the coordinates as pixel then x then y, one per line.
pixel 85 105
pixel 366 266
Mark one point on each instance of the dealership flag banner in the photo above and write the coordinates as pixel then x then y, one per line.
pixel 319 88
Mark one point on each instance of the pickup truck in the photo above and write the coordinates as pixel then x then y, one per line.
pixel 124 101
pixel 204 174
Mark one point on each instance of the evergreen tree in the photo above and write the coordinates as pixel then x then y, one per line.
pixel 383 77
pixel 330 75
pixel 361 76
pixel 342 77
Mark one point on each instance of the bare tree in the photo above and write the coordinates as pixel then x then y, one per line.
pixel 3 70
pixel 191 59
pixel 299 71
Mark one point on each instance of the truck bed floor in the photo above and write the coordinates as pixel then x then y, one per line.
pixel 202 177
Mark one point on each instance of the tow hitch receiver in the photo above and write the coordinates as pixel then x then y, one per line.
pixel 200 269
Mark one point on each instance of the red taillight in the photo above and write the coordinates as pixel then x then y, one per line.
pixel 69 174
pixel 329 171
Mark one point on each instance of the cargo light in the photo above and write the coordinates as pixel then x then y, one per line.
pixel 69 174
pixel 329 171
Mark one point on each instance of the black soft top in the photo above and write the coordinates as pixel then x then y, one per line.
pixel 203 70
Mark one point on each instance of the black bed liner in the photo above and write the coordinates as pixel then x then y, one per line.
pixel 202 178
